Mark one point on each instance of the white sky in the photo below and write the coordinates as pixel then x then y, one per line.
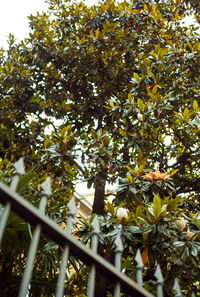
pixel 13 17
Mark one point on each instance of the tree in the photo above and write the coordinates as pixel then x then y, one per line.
pixel 123 80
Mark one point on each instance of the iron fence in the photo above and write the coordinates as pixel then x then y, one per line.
pixel 42 224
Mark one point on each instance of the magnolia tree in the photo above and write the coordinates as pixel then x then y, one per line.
pixel 118 84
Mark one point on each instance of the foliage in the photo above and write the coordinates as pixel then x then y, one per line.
pixel 110 94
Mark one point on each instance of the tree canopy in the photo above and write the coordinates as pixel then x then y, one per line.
pixel 117 85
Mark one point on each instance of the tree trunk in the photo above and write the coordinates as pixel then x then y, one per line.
pixel 98 205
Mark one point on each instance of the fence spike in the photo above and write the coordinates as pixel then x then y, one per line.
pixel 138 259
pixel 139 267
pixel 177 288
pixel 158 275
pixel 19 166
pixel 19 170
pixel 46 186
pixel 160 281
pixel 71 207
pixel 118 244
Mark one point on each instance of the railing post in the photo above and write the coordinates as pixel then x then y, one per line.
pixel 65 254
pixel 34 242
pixel 159 282
pixel 139 268
pixel 118 252
pixel 19 170
pixel 94 245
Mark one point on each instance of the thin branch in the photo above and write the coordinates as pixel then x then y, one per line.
pixel 46 121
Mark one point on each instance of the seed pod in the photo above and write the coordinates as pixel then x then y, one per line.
pixel 188 234
pixel 140 117
pixel 181 224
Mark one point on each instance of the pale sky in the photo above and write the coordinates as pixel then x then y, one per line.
pixel 13 17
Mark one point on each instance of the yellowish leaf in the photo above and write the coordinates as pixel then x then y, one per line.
pixel 154 90
pixel 196 46
pixel 136 76
pixel 97 33
pixel 130 98
pixel 140 104
pixel 122 133
pixel 157 206
pixel 195 105
pixel 138 211
pixel 173 172
pixel 186 113
pixel 153 97
pixel 165 97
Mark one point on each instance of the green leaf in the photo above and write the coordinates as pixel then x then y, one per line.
pixel 109 207
pixel 173 203
pixel 188 45
pixel 157 206
pixel 179 243
pixel 122 133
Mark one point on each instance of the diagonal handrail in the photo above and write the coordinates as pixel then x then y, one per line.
pixel 36 217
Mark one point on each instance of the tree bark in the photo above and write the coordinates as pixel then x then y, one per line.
pixel 98 205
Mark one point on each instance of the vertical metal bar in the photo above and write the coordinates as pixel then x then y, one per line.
pixel 65 254
pixel 34 244
pixel 193 294
pixel 30 261
pixel 31 255
pixel 4 218
pixel 14 182
pixel 19 166
pixel 94 245
pixel 118 251
pixel 139 268
pixel 159 282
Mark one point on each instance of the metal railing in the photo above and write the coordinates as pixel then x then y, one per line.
pixel 42 224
